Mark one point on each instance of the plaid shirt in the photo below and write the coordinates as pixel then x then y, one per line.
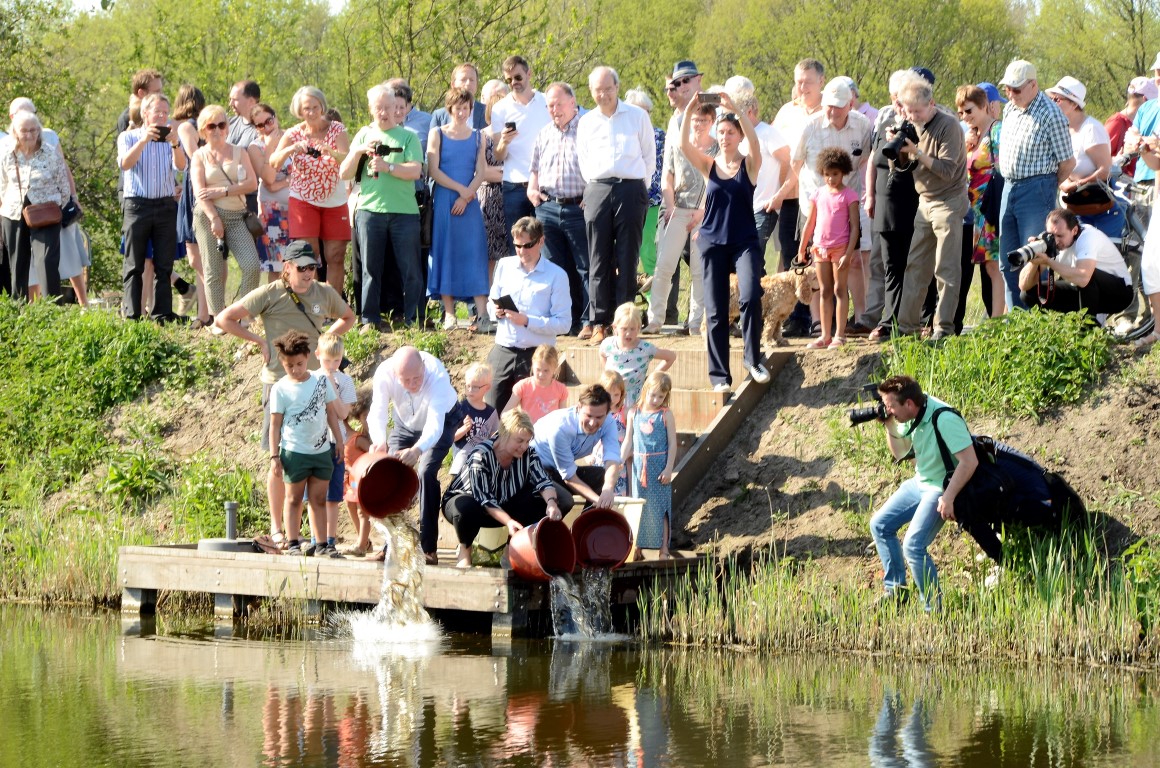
pixel 556 161
pixel 1033 141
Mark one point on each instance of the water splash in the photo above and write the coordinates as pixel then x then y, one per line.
pixel 399 621
pixel 582 607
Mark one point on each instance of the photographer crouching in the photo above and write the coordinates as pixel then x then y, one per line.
pixel 1070 267
pixel 907 414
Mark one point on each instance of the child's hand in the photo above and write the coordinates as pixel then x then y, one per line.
pixel 666 477
pixel 842 262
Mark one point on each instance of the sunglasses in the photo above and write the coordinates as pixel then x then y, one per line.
pixel 526 246
pixel 681 81
pixel 307 268
pixel 223 125
pixel 509 79
pixel 1015 91
pixel 967 111
pixel 267 123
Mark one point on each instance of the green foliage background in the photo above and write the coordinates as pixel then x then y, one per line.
pixel 76 66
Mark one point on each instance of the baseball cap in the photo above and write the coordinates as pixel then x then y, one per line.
pixel 1071 89
pixel 299 252
pixel 1018 73
pixel 992 92
pixel 849 81
pixel 1143 86
pixel 684 68
pixel 924 73
pixel 836 93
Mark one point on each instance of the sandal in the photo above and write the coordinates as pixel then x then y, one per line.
pixel 819 343
pixel 837 341
pixel 377 557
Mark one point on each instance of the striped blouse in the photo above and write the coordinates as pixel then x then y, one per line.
pixel 152 177
pixel 492 485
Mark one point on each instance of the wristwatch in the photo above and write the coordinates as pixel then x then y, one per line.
pixel 390 167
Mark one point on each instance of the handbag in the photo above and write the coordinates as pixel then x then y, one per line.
pixel 71 213
pixel 40 215
pixel 992 202
pixel 254 223
pixel 1090 199
pixel 426 216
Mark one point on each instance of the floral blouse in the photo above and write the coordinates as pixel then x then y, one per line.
pixel 314 179
pixel 43 178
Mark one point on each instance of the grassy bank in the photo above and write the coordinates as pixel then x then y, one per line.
pixel 1059 599
pixel 73 487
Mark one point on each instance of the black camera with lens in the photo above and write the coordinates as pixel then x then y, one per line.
pixel 382 150
pixel 1044 243
pixel 875 412
pixel 903 130
pixel 313 151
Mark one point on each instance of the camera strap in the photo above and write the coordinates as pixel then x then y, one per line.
pixel 298 303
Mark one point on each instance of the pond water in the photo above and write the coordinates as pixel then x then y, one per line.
pixel 76 690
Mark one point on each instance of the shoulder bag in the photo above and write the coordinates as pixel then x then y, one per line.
pixel 252 221
pixel 987 494
pixel 992 202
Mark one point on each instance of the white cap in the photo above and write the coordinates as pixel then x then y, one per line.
pixel 1018 73
pixel 836 93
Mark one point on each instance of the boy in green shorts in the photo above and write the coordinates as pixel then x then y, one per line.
pixel 301 410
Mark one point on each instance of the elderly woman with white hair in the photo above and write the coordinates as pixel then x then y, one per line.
pixel 318 210
pixel 648 246
pixel 32 173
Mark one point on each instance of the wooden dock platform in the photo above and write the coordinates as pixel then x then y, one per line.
pixel 238 579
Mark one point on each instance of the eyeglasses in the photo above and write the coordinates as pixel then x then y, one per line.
pixel 527 245
pixel 267 123
pixel 307 268
pixel 509 79
pixel 1015 91
pixel 223 125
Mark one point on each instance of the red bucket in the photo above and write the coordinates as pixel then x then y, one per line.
pixel 539 552
pixel 602 537
pixel 384 485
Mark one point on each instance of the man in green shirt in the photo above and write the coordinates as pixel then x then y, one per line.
pixel 387 158
pixel 921 500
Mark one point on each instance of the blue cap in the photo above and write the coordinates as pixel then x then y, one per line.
pixel 924 73
pixel 992 92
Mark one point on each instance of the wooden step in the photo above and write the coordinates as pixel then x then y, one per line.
pixel 690 370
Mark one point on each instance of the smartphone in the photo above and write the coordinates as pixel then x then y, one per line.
pixel 509 126
pixel 709 98
pixel 162 132
pixel 506 302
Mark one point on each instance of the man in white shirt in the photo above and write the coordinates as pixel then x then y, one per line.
pixel 618 156
pixel 1091 273
pixel 417 387
pixel 773 178
pixel 516 119
pixel 539 290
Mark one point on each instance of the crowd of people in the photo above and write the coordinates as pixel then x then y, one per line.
pixel 540 214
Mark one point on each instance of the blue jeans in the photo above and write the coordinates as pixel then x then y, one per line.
pixel 566 246
pixel 1026 203
pixel 765 223
pixel 516 205
pixel 385 239
pixel 428 470
pixel 916 504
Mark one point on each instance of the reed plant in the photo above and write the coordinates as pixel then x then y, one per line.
pixel 1059 599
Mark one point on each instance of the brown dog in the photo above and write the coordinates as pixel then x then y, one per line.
pixel 780 293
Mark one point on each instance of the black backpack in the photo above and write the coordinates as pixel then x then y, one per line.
pixel 987 495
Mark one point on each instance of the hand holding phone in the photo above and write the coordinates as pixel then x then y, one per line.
pixel 162 132
pixel 506 302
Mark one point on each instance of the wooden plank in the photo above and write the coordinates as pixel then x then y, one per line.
pixel 720 432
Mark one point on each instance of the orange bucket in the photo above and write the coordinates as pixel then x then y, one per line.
pixel 539 552
pixel 384 485
pixel 602 537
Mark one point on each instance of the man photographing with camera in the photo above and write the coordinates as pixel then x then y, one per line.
pixel 909 418
pixel 1070 267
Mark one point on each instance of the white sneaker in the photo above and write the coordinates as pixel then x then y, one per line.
pixel 993 577
pixel 449 322
pixel 722 387
pixel 759 373
pixel 187 301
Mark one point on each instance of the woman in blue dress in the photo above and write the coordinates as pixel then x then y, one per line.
pixel 455 157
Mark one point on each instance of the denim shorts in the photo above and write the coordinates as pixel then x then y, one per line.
pixel 334 490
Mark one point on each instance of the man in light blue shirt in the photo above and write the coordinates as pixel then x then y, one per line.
pixel 568 434
pixel 539 291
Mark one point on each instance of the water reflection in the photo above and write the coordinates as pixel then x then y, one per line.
pixel 74 691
